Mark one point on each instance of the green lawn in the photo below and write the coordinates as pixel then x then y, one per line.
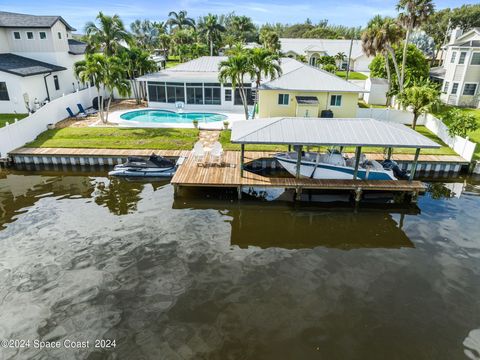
pixel 117 138
pixel 352 76
pixel 10 118
pixel 444 150
pixel 474 136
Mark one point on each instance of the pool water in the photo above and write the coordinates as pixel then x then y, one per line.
pixel 165 117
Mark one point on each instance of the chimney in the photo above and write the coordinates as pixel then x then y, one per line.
pixel 455 34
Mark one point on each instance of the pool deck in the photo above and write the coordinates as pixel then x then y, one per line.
pixel 231 117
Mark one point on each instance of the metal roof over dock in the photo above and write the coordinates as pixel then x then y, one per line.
pixel 328 132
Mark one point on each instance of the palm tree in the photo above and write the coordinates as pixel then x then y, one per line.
pixel 378 38
pixel 234 70
pixel 92 70
pixel 270 40
pixel 420 98
pixel 413 13
pixel 264 64
pixel 107 74
pixel 211 29
pixel 136 63
pixel 180 20
pixel 340 57
pixel 107 35
pixel 241 26
pixel 145 33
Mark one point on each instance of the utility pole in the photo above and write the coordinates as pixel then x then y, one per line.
pixel 349 57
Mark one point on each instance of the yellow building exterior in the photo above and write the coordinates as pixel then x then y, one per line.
pixel 343 104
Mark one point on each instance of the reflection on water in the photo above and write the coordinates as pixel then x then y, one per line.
pixel 85 257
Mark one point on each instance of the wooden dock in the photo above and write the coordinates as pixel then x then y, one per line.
pixel 227 175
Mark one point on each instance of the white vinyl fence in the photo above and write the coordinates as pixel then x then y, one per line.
pixel 461 146
pixel 15 135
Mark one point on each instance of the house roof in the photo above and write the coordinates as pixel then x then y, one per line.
pixel 309 78
pixel 15 20
pixel 295 76
pixel 76 47
pixel 306 100
pixel 329 132
pixel 23 66
pixel 379 81
pixel 330 47
pixel 470 43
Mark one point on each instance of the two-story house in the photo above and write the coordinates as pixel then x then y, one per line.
pixel 37 54
pixel 460 72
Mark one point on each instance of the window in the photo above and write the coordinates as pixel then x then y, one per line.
pixel 59 35
pixel 16 35
pixel 237 100
pixel 3 92
pixel 212 92
pixel 175 92
pixel 461 59
pixel 454 54
pixel 194 93
pixel 445 87
pixel 469 89
pixel 283 99
pixel 156 92
pixel 475 59
pixel 228 94
pixel 29 35
pixel 454 88
pixel 336 100
pixel 55 81
pixel 42 35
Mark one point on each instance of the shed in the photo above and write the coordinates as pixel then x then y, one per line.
pixel 378 89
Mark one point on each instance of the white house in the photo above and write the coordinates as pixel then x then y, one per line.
pixel 37 54
pixel 313 49
pixel 460 72
pixel 195 83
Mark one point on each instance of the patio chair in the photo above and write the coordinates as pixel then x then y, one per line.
pixel 71 114
pixel 198 152
pixel 89 111
pixel 217 152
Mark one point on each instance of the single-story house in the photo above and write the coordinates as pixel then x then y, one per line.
pixel 301 90
pixel 313 49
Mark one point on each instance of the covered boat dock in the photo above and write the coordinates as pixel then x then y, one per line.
pixel 303 132
pixel 313 132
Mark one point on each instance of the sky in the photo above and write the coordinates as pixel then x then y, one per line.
pixel 344 12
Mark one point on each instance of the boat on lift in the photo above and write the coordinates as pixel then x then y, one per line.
pixel 155 166
pixel 335 165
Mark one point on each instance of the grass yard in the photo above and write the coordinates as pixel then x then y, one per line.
pixel 352 76
pixel 474 136
pixel 444 150
pixel 117 138
pixel 10 118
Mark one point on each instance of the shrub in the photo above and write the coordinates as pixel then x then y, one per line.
pixel 460 123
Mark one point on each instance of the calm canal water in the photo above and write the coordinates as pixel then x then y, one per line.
pixel 85 258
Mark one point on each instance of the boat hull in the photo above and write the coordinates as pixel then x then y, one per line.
pixel 313 170
pixel 139 172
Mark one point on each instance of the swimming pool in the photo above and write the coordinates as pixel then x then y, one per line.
pixel 165 117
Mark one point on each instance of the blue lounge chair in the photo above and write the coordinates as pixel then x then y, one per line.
pixel 86 112
pixel 71 114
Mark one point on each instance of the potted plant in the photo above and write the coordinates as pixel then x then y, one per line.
pixel 225 124
pixel 195 123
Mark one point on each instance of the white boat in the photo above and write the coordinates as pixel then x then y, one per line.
pixel 334 165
